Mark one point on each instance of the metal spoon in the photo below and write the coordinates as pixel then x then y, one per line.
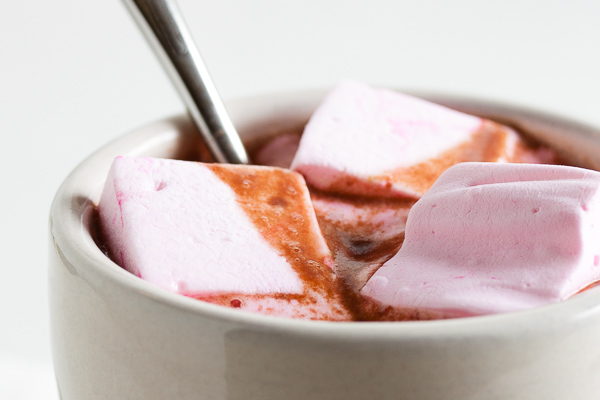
pixel 164 28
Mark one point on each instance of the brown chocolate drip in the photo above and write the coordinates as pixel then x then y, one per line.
pixel 274 199
pixel 588 287
pixel 487 144
pixel 359 200
pixel 278 303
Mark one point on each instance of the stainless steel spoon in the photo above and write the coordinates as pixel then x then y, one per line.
pixel 164 28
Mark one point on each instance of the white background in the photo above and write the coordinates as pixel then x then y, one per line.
pixel 75 74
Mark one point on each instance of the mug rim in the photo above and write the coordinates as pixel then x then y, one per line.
pixel 80 254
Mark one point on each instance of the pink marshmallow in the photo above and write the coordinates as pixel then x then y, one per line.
pixel 491 238
pixel 378 142
pixel 243 236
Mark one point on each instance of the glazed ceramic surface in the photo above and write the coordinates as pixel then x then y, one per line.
pixel 115 336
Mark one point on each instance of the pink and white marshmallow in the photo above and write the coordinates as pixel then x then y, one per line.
pixel 378 142
pixel 221 233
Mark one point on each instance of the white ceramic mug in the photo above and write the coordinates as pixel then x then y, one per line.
pixel 115 336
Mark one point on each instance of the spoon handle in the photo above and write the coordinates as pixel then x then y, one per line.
pixel 164 28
